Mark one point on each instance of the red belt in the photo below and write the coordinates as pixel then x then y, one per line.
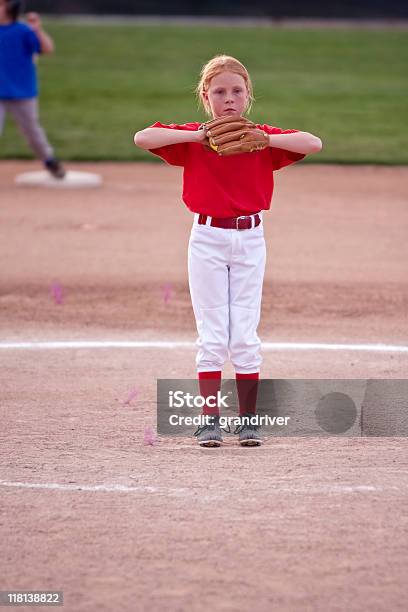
pixel 238 223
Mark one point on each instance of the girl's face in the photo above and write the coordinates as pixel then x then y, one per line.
pixel 227 94
pixel 4 18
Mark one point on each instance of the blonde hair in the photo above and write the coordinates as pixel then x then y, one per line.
pixel 216 65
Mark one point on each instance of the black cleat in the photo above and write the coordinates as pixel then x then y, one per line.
pixel 55 167
pixel 249 431
pixel 210 434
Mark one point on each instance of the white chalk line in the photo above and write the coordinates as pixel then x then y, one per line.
pixel 117 488
pixel 147 344
pixel 111 488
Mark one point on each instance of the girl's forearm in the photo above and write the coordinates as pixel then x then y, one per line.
pixel 298 142
pixel 152 138
pixel 46 42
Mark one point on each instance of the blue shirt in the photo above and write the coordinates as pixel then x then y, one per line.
pixel 18 75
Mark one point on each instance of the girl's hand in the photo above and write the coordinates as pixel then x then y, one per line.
pixel 34 21
pixel 201 136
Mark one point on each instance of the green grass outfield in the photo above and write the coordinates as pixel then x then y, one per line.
pixel 349 87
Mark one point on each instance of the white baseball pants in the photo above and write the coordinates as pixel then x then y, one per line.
pixel 225 271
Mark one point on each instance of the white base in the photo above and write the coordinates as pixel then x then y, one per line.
pixel 72 180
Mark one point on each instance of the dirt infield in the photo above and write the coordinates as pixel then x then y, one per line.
pixel 87 507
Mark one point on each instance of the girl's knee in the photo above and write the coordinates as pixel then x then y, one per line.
pixel 245 353
pixel 212 355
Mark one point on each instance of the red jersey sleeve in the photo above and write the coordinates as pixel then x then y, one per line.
pixel 175 154
pixel 281 157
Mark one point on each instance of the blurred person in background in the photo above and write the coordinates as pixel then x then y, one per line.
pixel 19 44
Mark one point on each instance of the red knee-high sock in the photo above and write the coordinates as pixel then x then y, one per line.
pixel 210 384
pixel 247 388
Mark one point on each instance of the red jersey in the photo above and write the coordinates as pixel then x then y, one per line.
pixel 226 186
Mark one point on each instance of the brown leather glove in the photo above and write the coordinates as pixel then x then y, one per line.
pixel 233 134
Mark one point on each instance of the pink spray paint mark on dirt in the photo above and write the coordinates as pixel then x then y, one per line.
pixel 56 292
pixel 131 396
pixel 167 291
pixel 149 435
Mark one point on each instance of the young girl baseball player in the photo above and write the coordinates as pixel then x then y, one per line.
pixel 226 254
pixel 18 80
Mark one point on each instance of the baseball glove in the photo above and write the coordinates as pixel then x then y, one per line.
pixel 234 134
